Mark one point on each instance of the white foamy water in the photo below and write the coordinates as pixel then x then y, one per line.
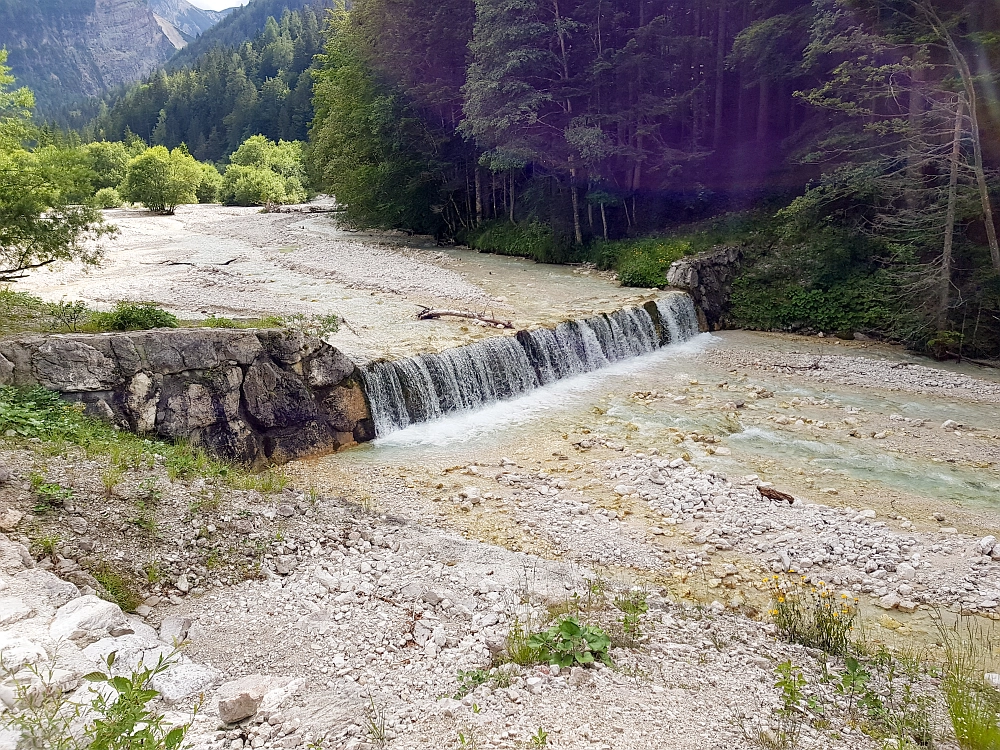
pixel 468 426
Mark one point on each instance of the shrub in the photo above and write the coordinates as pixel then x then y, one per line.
pixel 115 716
pixel 134 316
pixel 262 171
pixel 252 186
pixel 812 616
pixel 108 198
pixel 642 262
pixel 210 185
pixel 526 240
pixel 161 180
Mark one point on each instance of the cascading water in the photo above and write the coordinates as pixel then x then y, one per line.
pixel 428 386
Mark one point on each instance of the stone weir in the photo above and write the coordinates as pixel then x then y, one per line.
pixel 250 396
pixel 417 389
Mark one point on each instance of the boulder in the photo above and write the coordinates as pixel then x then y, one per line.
pixel 241 698
pixel 85 616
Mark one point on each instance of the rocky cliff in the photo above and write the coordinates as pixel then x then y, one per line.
pixel 65 49
pixel 708 277
pixel 252 396
pixel 185 17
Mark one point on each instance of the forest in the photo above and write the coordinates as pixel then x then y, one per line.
pixel 849 145
pixel 262 86
pixel 848 148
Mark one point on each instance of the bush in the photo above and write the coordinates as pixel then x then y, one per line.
pixel 161 180
pixel 642 262
pixel 108 198
pixel 262 171
pixel 859 303
pixel 527 240
pixel 252 186
pixel 133 316
pixel 116 716
pixel 210 186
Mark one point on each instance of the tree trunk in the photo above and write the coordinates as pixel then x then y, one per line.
pixel 512 196
pixel 604 221
pixel 969 84
pixel 913 157
pixel 763 114
pixel 949 226
pixel 479 196
pixel 575 199
pixel 720 67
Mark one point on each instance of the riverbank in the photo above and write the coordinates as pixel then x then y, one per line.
pixel 390 570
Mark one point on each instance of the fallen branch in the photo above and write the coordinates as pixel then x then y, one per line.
pixel 980 362
pixel 427 313
pixel 772 494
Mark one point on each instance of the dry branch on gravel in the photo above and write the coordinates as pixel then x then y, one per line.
pixel 772 494
pixel 427 313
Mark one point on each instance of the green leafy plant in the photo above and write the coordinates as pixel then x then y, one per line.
pixel 68 316
pixel 117 716
pixel 569 643
pixel 891 705
pixel 50 496
pixel 788 718
pixel 133 316
pixel 469 681
pixel 633 606
pixel 540 738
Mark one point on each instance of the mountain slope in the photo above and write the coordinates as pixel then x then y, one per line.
pixel 260 86
pixel 241 25
pixel 186 18
pixel 65 49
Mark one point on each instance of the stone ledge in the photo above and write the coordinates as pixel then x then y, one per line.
pixel 246 395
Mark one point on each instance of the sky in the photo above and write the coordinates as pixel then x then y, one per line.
pixel 217 4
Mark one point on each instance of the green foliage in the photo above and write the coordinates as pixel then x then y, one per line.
pixel 109 163
pixel 641 262
pixel 210 186
pixel 860 303
pixel 264 172
pixel 133 316
pixel 108 197
pixel 216 95
pixel 368 146
pixel 569 643
pixel 43 218
pixel 51 496
pixel 890 703
pixel 124 720
pixel 119 587
pixel 161 180
pixel 973 705
pixel 540 738
pixel 633 606
pixel 812 615
pixel 526 240
pixel 36 413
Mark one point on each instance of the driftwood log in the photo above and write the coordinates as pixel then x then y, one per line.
pixel 427 313
pixel 772 494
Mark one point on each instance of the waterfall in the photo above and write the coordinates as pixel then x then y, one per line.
pixel 427 386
